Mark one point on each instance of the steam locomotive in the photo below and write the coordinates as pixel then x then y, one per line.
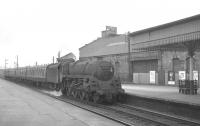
pixel 91 81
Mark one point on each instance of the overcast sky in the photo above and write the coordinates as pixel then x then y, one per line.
pixel 36 30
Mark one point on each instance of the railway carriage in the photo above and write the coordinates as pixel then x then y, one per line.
pixel 10 73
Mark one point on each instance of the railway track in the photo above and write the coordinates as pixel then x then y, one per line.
pixel 84 105
pixel 130 115
pixel 92 108
pixel 162 118
pixel 126 114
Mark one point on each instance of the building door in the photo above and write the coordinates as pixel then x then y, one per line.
pixel 141 71
pixel 177 65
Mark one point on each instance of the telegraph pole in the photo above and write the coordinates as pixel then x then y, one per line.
pixel 6 63
pixel 17 62
pixel 129 57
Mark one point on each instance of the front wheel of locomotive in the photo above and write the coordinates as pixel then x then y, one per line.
pixel 74 93
pixel 87 96
pixel 96 98
pixel 78 94
pixel 109 98
pixel 121 97
pixel 82 95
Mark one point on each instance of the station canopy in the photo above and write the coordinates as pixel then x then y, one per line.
pixel 186 41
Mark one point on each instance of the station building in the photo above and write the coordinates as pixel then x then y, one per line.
pixel 155 55
pixel 110 46
pixel 171 47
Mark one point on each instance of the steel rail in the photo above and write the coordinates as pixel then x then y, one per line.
pixel 120 110
pixel 88 108
pixel 106 111
pixel 183 120
pixel 81 105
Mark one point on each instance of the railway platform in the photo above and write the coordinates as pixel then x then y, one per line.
pixel 165 93
pixel 21 106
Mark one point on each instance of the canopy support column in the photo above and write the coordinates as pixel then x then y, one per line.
pixel 191 68
pixel 191 52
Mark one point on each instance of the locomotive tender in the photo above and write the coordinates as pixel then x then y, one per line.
pixel 91 81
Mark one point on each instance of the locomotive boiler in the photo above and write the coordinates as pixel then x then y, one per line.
pixel 92 81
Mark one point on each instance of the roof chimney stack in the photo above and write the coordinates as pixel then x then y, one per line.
pixel 110 31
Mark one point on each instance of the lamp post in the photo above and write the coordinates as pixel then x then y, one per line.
pixel 6 63
pixel 17 62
